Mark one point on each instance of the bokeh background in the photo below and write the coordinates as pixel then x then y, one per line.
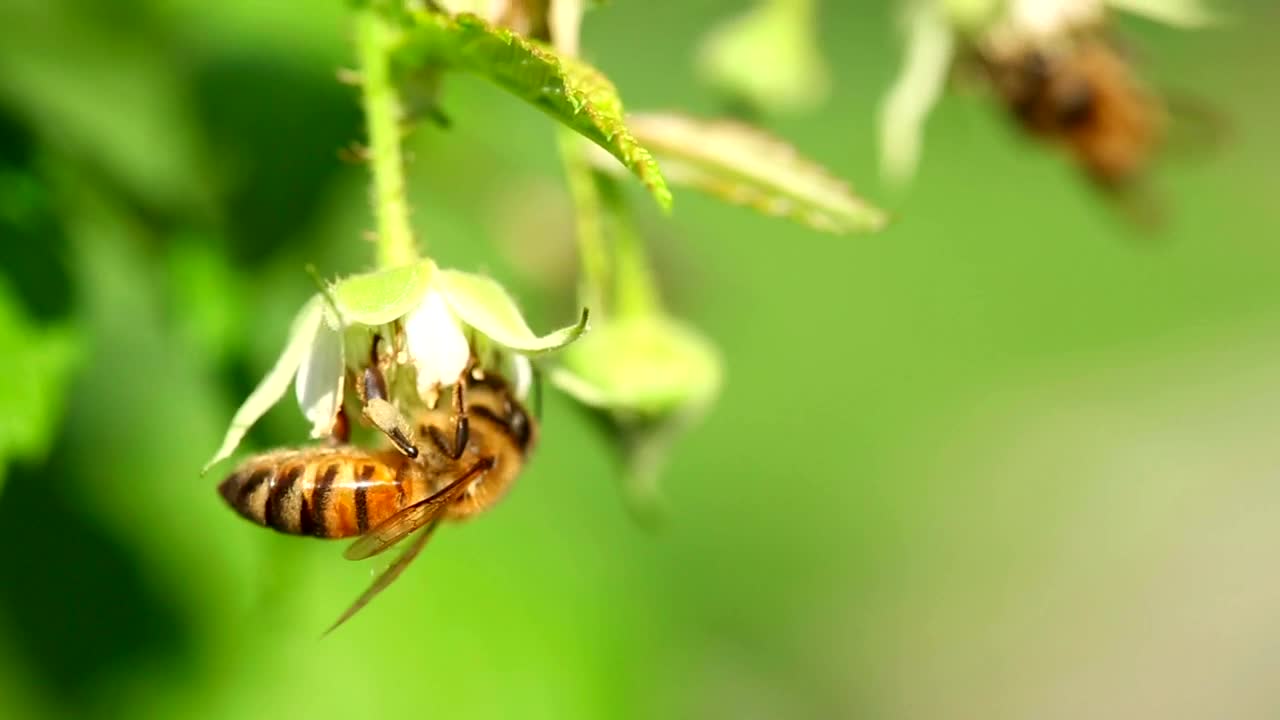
pixel 1010 459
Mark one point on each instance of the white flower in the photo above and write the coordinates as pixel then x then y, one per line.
pixel 444 316
pixel 433 338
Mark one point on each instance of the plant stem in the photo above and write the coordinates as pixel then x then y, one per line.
pixel 593 252
pixel 635 289
pixel 382 112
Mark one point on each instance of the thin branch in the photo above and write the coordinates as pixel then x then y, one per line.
pixel 382 111
pixel 593 251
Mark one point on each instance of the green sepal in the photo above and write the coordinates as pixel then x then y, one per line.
pixel 377 298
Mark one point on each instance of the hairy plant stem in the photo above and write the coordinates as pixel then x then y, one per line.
pixel 593 251
pixel 635 290
pixel 382 112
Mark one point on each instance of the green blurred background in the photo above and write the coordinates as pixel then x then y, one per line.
pixel 1009 459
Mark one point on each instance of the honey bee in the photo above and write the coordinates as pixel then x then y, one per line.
pixel 1085 95
pixel 447 464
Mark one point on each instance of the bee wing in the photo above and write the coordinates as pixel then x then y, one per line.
pixel 389 575
pixel 1197 129
pixel 402 524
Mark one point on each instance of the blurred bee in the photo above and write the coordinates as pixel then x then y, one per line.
pixel 1083 94
pixel 445 464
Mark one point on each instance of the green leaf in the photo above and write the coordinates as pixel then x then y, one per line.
pixel 207 299
pixel 744 165
pixel 570 91
pixel 642 367
pixel 130 116
pixel 377 298
pixel 483 304
pixel 35 372
pixel 273 387
pixel 768 56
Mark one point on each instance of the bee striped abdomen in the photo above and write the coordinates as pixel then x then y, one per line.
pixel 328 493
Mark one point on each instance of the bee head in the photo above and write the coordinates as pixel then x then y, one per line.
pixel 491 396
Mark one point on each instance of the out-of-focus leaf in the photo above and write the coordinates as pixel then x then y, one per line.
pixel 128 116
pixel 744 165
pixel 377 298
pixel 768 56
pixel 570 91
pixel 35 369
pixel 206 297
pixel 276 383
pixel 271 29
pixel 482 303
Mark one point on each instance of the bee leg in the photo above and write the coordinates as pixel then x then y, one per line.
pixel 391 423
pixel 461 426
pixel 372 389
pixel 372 384
pixel 341 432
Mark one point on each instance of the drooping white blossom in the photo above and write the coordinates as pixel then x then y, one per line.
pixel 442 316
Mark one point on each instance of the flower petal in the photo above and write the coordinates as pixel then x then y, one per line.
pixel 1053 18
pixel 377 298
pixel 1178 13
pixel 320 379
pixel 276 383
pixel 930 46
pixel 564 20
pixel 483 304
pixel 436 345
pixel 520 375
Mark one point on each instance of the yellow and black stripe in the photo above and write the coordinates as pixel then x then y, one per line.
pixel 323 492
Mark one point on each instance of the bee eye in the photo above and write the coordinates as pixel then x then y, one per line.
pixel 518 421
